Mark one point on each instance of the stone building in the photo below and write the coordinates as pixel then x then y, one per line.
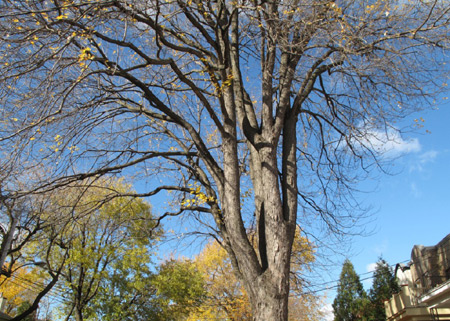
pixel 425 285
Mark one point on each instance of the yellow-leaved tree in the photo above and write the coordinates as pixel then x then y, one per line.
pixel 227 299
pixel 20 289
pixel 110 241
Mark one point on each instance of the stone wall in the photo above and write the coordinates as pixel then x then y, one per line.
pixel 431 264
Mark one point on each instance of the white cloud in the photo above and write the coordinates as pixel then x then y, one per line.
pixel 371 267
pixel 423 159
pixel 327 312
pixel 429 156
pixel 367 282
pixel 390 143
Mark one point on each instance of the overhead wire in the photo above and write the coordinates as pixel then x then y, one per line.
pixel 337 281
pixel 443 247
pixel 33 289
pixel 57 292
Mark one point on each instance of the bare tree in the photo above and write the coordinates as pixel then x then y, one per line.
pixel 283 101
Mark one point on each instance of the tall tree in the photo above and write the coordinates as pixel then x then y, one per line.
pixel 19 290
pixel 226 298
pixel 281 100
pixel 108 242
pixel 384 286
pixel 180 289
pixel 25 225
pixel 351 300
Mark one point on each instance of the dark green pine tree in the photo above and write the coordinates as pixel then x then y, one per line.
pixel 384 286
pixel 351 301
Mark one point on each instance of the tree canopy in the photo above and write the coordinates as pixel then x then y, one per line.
pixel 384 285
pixel 253 114
pixel 351 299
pixel 107 241
pixel 87 240
pixel 353 303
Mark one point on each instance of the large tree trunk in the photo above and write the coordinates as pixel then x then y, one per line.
pixel 271 296
pixel 78 312
pixel 264 266
pixel 269 306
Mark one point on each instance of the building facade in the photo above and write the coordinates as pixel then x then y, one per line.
pixel 425 285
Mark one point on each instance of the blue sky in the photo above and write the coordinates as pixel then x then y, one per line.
pixel 411 207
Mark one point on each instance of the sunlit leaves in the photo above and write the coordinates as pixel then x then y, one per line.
pixel 107 235
pixel 199 198
pixel 226 297
pixel 21 287
pixel 225 294
pixel 180 288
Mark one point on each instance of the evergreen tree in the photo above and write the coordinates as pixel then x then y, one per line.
pixel 384 286
pixel 351 300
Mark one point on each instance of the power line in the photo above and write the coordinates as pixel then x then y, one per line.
pixel 33 289
pixel 58 291
pixel 423 255
pixel 336 281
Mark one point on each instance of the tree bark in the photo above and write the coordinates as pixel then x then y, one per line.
pixel 270 304
pixel 7 241
pixel 78 313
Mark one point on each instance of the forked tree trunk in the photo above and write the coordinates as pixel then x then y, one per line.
pixel 264 267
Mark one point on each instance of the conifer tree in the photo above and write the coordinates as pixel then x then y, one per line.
pixel 384 286
pixel 351 298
